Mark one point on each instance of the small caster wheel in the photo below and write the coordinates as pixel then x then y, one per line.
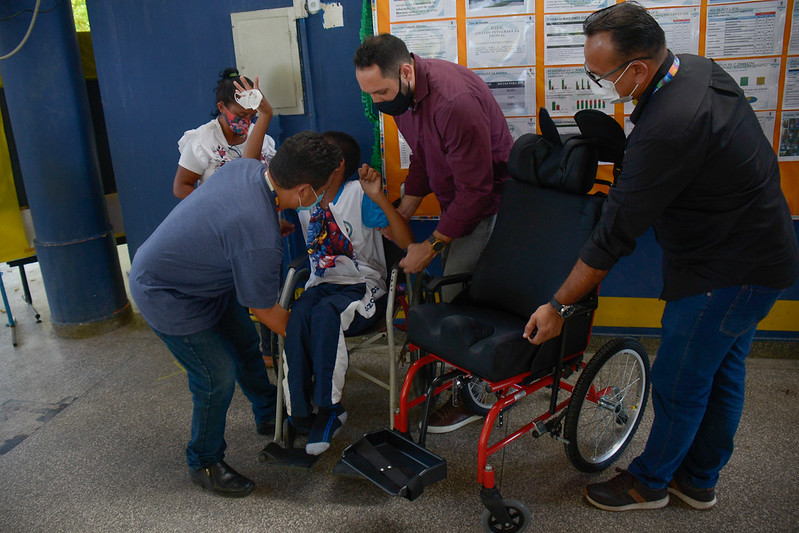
pixel 519 518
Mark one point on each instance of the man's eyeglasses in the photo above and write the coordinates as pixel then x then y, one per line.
pixel 598 79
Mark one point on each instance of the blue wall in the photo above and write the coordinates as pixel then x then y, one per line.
pixel 157 65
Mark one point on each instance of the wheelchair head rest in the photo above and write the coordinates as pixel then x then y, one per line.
pixel 567 163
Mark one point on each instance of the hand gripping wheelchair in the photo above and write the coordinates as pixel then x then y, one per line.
pixel 544 218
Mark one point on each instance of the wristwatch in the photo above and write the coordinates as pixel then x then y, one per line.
pixel 564 311
pixel 436 244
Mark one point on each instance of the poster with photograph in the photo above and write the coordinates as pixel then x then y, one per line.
pixel 408 10
pixel 488 8
pixel 789 136
pixel 513 89
pixel 432 40
pixel 742 30
pixel 759 79
pixel 564 39
pixel 500 42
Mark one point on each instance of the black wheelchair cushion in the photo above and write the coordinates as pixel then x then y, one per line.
pixel 485 342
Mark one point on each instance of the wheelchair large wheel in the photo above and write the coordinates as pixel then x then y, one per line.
pixel 607 405
pixel 519 515
pixel 476 398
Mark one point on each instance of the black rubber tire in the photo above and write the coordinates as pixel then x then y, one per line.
pixel 475 398
pixel 519 513
pixel 621 369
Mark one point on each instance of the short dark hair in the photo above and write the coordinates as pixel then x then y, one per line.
pixel 385 51
pixel 349 147
pixel 225 89
pixel 303 158
pixel 633 31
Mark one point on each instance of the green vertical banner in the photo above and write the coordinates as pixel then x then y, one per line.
pixel 13 243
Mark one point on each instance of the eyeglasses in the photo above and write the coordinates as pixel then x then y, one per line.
pixel 597 79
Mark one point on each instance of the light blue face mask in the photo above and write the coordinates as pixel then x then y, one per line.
pixel 313 205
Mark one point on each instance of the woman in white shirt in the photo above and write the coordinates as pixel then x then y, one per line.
pixel 233 133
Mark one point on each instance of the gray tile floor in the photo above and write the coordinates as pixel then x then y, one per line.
pixel 92 434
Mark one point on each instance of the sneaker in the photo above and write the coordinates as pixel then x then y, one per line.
pixel 696 498
pixel 326 425
pixel 625 493
pixel 449 417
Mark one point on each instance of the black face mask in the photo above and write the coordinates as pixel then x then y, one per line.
pixel 399 104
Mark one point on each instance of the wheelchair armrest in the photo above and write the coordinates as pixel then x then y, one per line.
pixel 587 304
pixel 434 284
pixel 300 262
pixel 299 271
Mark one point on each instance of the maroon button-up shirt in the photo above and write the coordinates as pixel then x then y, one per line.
pixel 460 142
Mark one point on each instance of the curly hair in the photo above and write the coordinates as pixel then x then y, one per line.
pixel 306 157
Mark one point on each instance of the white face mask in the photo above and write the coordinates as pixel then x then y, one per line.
pixel 608 90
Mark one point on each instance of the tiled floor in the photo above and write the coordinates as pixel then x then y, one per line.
pixel 92 434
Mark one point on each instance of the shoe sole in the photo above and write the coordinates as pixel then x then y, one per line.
pixel 453 427
pixel 239 494
pixel 655 504
pixel 696 504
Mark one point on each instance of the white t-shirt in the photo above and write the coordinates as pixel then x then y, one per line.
pixel 357 217
pixel 205 149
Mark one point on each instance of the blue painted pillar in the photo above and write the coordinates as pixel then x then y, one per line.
pixel 49 111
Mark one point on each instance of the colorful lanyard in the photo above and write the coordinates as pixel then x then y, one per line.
pixel 272 189
pixel 669 75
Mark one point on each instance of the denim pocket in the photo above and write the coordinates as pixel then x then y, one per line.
pixel 750 306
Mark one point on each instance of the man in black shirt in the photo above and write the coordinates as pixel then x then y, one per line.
pixel 697 168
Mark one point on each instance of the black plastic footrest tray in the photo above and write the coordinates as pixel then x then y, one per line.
pixel 395 463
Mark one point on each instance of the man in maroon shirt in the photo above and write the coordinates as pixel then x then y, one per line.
pixel 460 144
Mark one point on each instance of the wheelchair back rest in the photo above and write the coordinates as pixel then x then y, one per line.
pixel 535 243
pixel 567 163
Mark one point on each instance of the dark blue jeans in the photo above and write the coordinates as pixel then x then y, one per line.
pixel 698 384
pixel 316 354
pixel 214 360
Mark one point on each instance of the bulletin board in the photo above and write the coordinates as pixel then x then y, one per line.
pixel 530 53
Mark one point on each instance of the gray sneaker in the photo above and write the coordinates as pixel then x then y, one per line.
pixel 696 498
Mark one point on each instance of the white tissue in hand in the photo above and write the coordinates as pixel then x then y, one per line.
pixel 249 99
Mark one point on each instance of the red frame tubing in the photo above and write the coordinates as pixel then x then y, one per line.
pixel 510 391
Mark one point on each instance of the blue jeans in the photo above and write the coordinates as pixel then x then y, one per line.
pixel 698 384
pixel 214 360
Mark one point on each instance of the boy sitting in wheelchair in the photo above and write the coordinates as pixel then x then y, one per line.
pixel 345 294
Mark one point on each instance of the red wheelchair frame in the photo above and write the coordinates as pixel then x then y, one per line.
pixel 511 515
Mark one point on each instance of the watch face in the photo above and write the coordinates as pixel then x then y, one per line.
pixel 438 246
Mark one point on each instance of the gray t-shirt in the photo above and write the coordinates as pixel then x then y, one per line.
pixel 223 236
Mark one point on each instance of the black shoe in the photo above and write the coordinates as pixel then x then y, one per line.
pixel 625 493
pixel 222 480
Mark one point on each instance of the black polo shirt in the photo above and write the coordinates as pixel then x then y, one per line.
pixel 698 168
